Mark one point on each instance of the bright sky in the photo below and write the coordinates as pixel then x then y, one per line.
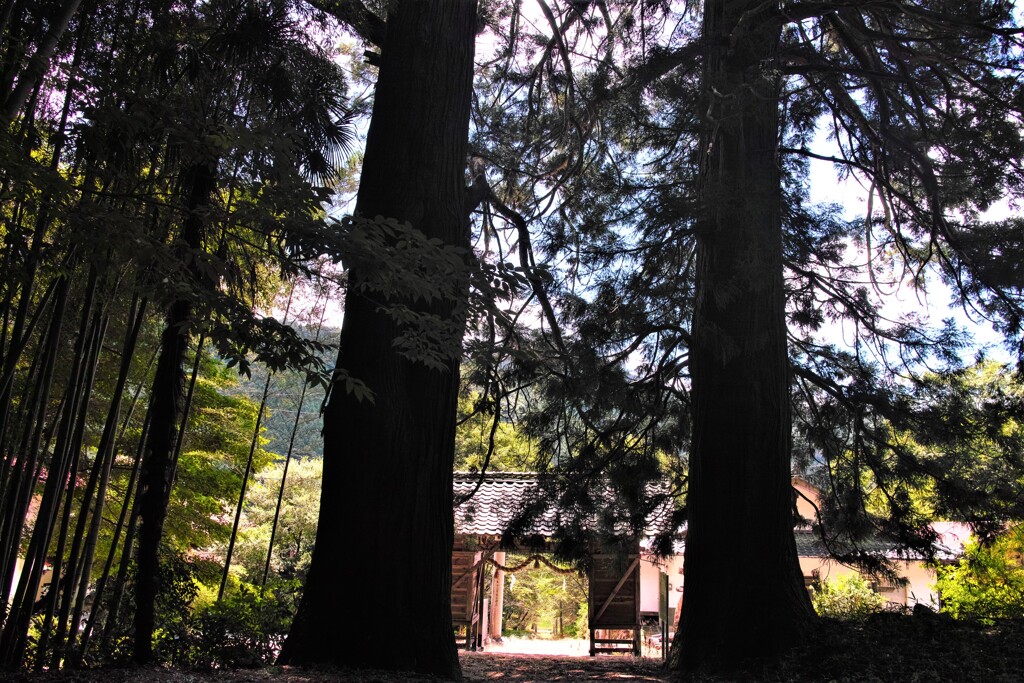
pixel 936 302
pixel 824 187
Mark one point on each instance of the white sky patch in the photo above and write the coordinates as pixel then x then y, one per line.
pixel 934 303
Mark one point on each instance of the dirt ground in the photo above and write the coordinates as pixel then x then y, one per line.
pixel 477 667
pixel 882 649
pixel 522 668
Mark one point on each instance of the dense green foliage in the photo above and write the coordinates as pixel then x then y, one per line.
pixel 848 596
pixel 212 461
pixel 987 583
pixel 208 478
pixel 486 441
pixel 296 523
pixel 541 601
pixel 244 630
pixel 159 182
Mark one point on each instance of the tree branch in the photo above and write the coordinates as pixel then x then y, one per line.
pixel 481 191
pixel 355 15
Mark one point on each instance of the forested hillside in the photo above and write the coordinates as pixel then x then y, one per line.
pixel 568 237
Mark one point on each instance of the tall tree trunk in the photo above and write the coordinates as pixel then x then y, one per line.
pixel 64 567
pixel 13 641
pixel 744 592
pixel 24 479
pixel 114 609
pixel 383 550
pixel 166 408
pixel 74 563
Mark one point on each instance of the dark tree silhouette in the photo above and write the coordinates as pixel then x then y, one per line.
pixel 744 591
pixel 908 89
pixel 383 550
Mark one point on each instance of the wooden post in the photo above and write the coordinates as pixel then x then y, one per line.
pixel 590 607
pixel 663 606
pixel 497 598
pixel 636 601
pixel 478 634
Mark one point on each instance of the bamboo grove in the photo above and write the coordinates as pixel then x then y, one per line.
pixel 162 168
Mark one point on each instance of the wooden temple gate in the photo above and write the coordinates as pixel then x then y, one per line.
pixel 613 600
pixel 614 603
pixel 480 517
pixel 468 596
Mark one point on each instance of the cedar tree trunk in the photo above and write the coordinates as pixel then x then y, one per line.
pixel 745 596
pixel 379 586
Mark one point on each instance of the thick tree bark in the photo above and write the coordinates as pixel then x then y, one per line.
pixel 156 478
pixel 744 592
pixel 382 561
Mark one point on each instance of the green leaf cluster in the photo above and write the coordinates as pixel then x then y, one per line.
pixel 847 596
pixel 209 472
pixel 483 436
pixel 987 583
pixel 296 525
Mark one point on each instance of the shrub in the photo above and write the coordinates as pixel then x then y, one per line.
pixel 176 591
pixel 245 629
pixel 195 630
pixel 987 583
pixel 178 588
pixel 846 597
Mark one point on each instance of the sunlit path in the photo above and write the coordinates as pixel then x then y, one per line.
pixel 539 646
pixel 535 668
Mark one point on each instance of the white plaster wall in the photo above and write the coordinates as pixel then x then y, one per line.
pixel 807 499
pixel 920 579
pixel 649 572
pixel 44 580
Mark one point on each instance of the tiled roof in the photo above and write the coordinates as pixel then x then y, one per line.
pixel 809 544
pixel 499 497
pixel 503 494
pixel 947 547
